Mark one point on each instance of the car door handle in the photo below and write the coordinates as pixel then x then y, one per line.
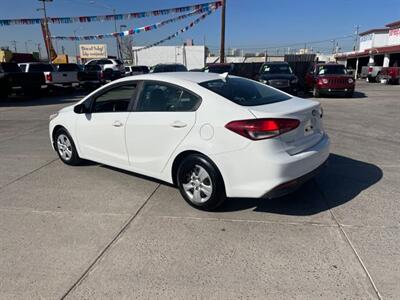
pixel 117 124
pixel 178 124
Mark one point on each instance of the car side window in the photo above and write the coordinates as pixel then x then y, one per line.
pixel 115 100
pixel 164 97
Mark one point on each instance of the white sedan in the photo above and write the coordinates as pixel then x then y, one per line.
pixel 212 135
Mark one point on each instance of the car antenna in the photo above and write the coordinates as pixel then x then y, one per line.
pixel 224 76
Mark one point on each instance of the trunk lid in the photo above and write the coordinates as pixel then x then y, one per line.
pixel 308 112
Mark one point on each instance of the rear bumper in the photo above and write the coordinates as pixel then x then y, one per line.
pixel 253 173
pixel 292 185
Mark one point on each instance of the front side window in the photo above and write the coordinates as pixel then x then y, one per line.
pixel 162 97
pixel 114 100
pixel 245 92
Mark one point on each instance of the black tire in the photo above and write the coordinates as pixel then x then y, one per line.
pixel 3 94
pixel 72 158
pixel 378 78
pixel 212 182
pixel 316 93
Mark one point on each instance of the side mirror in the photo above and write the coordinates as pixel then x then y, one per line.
pixel 80 109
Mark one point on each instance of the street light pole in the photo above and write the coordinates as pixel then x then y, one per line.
pixel 121 42
pixel 115 24
pixel 76 44
pixel 14 43
pixel 222 46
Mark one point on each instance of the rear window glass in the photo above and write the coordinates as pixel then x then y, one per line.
pixel 119 62
pixel 14 68
pixel 68 67
pixel 218 69
pixel 40 68
pixel 245 92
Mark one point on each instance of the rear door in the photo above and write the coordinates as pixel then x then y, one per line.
pixel 162 117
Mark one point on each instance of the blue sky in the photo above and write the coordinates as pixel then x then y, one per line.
pixel 251 24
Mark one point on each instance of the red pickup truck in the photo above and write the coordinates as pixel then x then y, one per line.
pixel 391 74
pixel 329 78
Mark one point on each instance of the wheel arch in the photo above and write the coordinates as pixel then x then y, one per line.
pixel 181 156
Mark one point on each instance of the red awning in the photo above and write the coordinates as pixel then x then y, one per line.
pixel 372 51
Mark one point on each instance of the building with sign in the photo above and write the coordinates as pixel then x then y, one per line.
pixel 379 47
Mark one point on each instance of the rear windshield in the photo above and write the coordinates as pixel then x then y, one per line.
pixel 276 69
pixel 140 69
pixel 331 69
pixel 41 68
pixel 68 67
pixel 169 68
pixel 90 68
pixel 9 67
pixel 218 69
pixel 119 62
pixel 245 92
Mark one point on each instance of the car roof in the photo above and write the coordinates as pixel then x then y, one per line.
pixel 169 64
pixel 275 63
pixel 195 77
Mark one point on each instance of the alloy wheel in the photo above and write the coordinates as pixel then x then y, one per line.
pixel 198 186
pixel 64 147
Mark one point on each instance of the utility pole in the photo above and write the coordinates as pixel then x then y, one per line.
pixel 356 38
pixel 94 2
pixel 39 50
pixel 222 46
pixel 14 44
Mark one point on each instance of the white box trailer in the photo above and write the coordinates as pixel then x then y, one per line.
pixel 193 57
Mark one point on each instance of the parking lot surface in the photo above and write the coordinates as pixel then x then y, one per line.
pixel 94 232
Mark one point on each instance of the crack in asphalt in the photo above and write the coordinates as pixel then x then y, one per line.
pixel 108 246
pixel 29 173
pixel 347 239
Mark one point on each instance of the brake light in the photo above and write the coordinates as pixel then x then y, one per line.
pixel 259 129
pixel 370 70
pixel 101 75
pixel 49 77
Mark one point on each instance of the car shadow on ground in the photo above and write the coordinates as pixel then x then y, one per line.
pixel 341 181
pixel 356 95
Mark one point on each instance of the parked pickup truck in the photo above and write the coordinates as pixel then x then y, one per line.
pixel 329 78
pixel 91 76
pixel 371 73
pixel 55 75
pixel 391 74
pixel 12 79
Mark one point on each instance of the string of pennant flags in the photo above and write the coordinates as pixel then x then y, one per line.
pixel 103 18
pixel 138 29
pixel 182 30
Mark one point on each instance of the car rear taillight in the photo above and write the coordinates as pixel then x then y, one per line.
pixel 259 129
pixel 101 75
pixel 370 70
pixel 49 77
